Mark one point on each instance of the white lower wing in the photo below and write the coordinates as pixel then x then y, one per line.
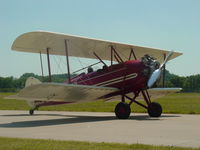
pixel 166 89
pixel 61 92
pixel 160 92
pixel 154 93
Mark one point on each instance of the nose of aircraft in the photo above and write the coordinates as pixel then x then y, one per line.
pixel 156 74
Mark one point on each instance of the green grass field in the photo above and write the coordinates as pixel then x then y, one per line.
pixel 35 144
pixel 180 103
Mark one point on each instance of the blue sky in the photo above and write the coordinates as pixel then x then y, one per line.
pixel 170 24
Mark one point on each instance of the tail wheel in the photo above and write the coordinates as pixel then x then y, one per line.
pixel 122 110
pixel 31 111
pixel 154 109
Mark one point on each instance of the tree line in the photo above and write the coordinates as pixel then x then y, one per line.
pixel 11 84
pixel 188 83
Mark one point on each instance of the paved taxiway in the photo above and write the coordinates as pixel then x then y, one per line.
pixel 178 130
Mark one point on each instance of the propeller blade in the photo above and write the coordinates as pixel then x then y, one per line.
pixel 154 77
pixel 156 74
pixel 166 59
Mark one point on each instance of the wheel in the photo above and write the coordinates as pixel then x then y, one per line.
pixel 154 109
pixel 122 110
pixel 31 111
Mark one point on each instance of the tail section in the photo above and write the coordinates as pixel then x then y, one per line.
pixel 29 82
pixel 32 81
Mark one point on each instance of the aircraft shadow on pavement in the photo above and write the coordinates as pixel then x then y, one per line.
pixel 72 119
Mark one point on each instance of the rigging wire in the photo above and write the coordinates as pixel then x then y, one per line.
pixel 58 63
pixel 122 54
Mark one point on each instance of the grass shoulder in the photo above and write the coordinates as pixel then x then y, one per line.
pixel 38 144
pixel 179 103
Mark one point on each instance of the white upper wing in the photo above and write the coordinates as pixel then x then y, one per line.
pixel 39 41
pixel 61 92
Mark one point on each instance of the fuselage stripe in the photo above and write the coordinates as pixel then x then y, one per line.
pixel 101 75
pixel 117 80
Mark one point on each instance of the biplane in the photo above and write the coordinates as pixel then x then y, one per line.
pixel 132 71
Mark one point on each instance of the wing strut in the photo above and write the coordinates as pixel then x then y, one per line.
pixel 164 71
pixel 49 67
pixel 99 59
pixel 67 59
pixel 115 55
pixel 41 64
pixel 132 53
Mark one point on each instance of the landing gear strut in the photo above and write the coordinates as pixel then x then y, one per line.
pixel 31 111
pixel 123 110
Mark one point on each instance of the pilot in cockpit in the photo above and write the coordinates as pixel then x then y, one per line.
pixel 90 69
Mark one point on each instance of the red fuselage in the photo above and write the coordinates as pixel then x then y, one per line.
pixel 128 76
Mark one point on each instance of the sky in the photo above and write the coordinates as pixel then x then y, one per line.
pixel 170 24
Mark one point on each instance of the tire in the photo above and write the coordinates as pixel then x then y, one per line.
pixel 122 110
pixel 154 109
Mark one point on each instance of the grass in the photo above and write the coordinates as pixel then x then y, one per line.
pixel 180 103
pixel 36 144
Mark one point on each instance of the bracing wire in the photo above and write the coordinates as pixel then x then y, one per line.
pixel 58 63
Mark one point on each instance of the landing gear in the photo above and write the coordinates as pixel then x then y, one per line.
pixel 154 109
pixel 122 110
pixel 31 111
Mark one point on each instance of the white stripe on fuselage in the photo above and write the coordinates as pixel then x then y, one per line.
pixel 117 80
pixel 101 75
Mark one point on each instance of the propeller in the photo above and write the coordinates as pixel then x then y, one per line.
pixel 156 74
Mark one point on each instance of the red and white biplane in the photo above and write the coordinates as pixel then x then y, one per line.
pixel 133 70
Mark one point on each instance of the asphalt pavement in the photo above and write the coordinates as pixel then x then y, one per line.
pixel 170 129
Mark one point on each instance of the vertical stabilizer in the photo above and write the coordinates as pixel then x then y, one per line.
pixel 32 81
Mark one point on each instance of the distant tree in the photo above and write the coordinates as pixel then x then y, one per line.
pixel 177 81
pixel 192 83
pixel 189 83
